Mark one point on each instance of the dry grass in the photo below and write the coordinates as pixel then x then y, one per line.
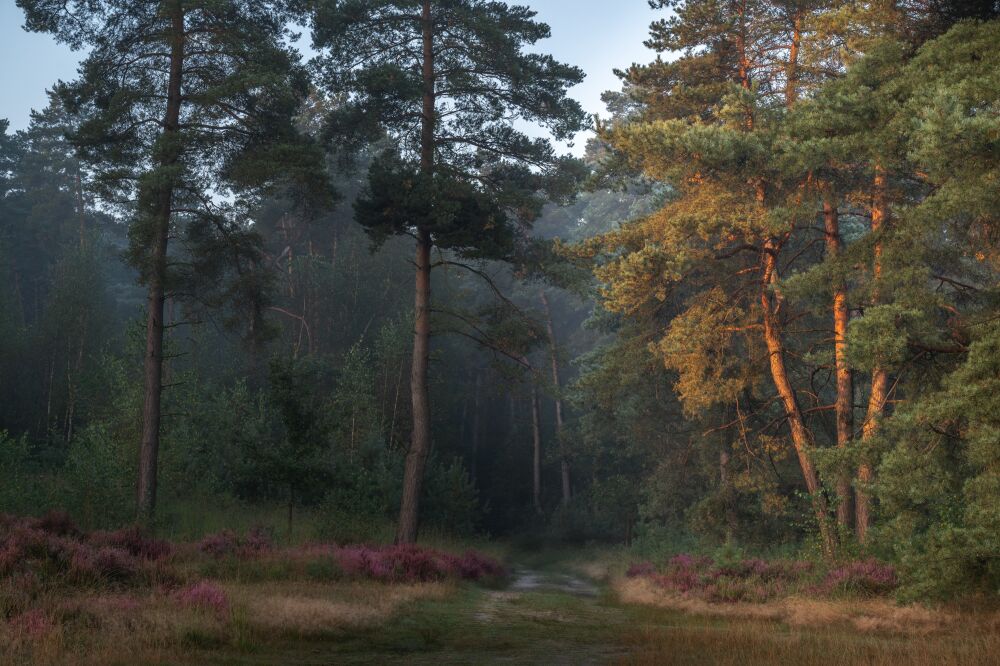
pixel 302 609
pixel 862 614
pixel 154 628
pixel 804 631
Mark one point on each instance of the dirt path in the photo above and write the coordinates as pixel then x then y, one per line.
pixel 528 580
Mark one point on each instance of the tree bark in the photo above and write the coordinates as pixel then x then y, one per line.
pixel 475 428
pixel 801 439
pixel 845 381
pixel 416 457
pixel 557 387
pixel 536 450
pixel 727 492
pixel 880 376
pixel 153 364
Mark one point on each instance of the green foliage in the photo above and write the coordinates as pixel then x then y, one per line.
pixel 99 478
pixel 939 482
pixel 478 174
pixel 19 493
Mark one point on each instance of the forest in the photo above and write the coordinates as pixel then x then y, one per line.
pixel 338 331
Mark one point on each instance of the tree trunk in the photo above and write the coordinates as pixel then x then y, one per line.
pixel 416 457
pixel 880 375
pixel 727 493
pixel 475 429
pixel 557 387
pixel 72 378
pixel 536 450
pixel 792 66
pixel 801 439
pixel 153 364
pixel 845 381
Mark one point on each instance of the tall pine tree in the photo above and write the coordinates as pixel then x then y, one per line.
pixel 189 109
pixel 444 82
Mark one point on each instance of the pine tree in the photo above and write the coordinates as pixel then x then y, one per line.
pixel 443 81
pixel 710 261
pixel 188 110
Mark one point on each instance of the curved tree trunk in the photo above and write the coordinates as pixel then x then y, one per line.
pixel 153 362
pixel 801 439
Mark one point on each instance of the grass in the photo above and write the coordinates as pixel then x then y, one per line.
pixel 445 623
pixel 358 622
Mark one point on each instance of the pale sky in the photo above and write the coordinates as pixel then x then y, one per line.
pixel 595 35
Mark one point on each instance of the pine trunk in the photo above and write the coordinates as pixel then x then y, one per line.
pixel 475 429
pixel 416 457
pixel 557 387
pixel 536 451
pixel 779 373
pixel 845 381
pixel 880 376
pixel 153 363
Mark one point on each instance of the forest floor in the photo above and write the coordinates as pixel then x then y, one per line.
pixel 553 613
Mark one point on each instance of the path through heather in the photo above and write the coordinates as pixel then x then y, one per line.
pixel 543 616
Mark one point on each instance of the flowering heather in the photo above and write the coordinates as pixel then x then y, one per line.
pixel 133 541
pixel 54 550
pixel 476 566
pixel 640 569
pixel 226 542
pixel 204 595
pixel 777 570
pixel 869 577
pixel 685 561
pixel 411 563
pixel 52 553
pixel 258 540
pixel 757 580
pixel 219 545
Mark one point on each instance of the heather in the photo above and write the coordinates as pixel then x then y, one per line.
pixel 758 580
pixel 59 583
pixel 54 552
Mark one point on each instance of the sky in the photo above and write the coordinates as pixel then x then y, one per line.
pixel 595 35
